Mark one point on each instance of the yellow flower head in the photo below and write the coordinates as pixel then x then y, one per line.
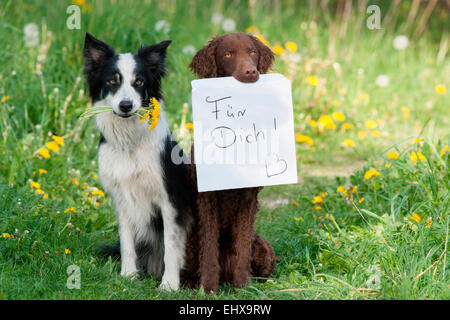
pixel 58 140
pixel 371 124
pixel 53 146
pixel 70 210
pixel 7 235
pixel 444 150
pixel 189 126
pixel 393 155
pixel 312 123
pixel 291 46
pixel 4 99
pixel 304 139
pixel 317 200
pixel 347 126
pixel 44 153
pixel 416 217
pixel 35 185
pixel 371 173
pixel 97 192
pixel 326 122
pixel 440 89
pixel 340 189
pixel 312 81
pixel 67 251
pixel 349 143
pixel 362 134
pixel 251 29
pixel 417 140
pixel 277 49
pixel 42 171
pixel 338 116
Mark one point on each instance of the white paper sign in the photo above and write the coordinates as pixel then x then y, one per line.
pixel 243 132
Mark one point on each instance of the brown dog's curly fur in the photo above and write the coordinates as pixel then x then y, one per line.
pixel 223 245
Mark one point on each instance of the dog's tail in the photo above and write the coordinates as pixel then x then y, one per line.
pixel 113 251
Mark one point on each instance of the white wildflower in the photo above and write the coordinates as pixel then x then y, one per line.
pixel 216 18
pixel 382 80
pixel 31 35
pixel 400 42
pixel 189 49
pixel 162 26
pixel 228 25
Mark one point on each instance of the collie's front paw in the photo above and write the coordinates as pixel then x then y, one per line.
pixel 131 273
pixel 169 283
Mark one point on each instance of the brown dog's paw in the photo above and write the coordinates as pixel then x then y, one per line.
pixel 241 279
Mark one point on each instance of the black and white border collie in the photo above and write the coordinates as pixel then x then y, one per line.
pixel 150 192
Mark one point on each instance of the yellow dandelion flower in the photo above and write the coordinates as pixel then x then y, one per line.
pixel 312 81
pixel 364 96
pixel 75 181
pixel 361 200
pixel 324 194
pixel 45 196
pixel 44 153
pixel 338 116
pixel 291 46
pixel 67 251
pixel 251 29
pixel 417 140
pixel 444 150
pixel 393 155
pixel 53 146
pixel 317 208
pixel 312 123
pixel 376 133
pixel 262 39
pixel 278 49
pixel 97 192
pixel 317 199
pixel 440 89
pixel 298 219
pixel 335 103
pixel 349 143
pixel 388 165
pixel 355 189
pixel 189 126
pixel 416 156
pixel 362 134
pixel 371 124
pixel 42 171
pixel 406 112
pixel 304 139
pixel 347 126
pixel 4 99
pixel 39 191
pixel 416 217
pixel 340 189
pixel 371 173
pixel 428 223
pixel 35 185
pixel 295 203
pixel 58 140
pixel 70 210
pixel 326 122
pixel 6 235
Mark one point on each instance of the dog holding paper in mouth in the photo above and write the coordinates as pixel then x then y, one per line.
pixel 223 246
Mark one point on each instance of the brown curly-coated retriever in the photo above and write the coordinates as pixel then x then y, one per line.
pixel 223 246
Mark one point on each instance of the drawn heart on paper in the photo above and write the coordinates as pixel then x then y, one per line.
pixel 275 166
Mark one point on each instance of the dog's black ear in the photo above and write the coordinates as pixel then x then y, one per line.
pixel 204 61
pixel 154 56
pixel 95 51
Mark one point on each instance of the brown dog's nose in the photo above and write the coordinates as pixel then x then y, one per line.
pixel 248 74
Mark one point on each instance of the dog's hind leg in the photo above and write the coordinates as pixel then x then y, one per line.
pixel 263 258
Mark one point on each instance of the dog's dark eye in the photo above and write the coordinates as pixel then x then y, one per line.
pixel 138 82
pixel 227 55
pixel 252 53
pixel 112 82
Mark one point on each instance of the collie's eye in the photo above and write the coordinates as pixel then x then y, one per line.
pixel 138 83
pixel 112 82
pixel 227 55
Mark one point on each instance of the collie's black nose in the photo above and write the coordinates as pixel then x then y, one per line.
pixel 125 105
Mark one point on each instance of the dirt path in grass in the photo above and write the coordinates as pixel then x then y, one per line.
pixel 312 171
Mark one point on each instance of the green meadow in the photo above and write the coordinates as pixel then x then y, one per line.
pixel 369 218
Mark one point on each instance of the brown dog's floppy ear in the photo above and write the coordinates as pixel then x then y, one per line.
pixel 266 56
pixel 204 61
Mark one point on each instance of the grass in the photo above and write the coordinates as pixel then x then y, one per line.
pixel 385 239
